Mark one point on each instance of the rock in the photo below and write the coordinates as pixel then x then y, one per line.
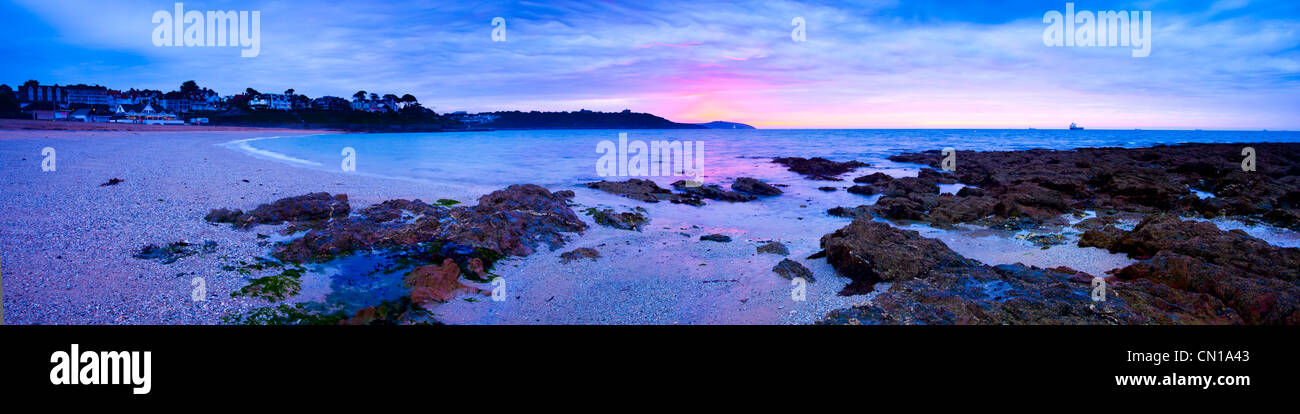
pixel 873 178
pixel 869 252
pixel 636 189
pixel 907 185
pixel 755 187
pixel 818 168
pixel 645 190
pixel 567 194
pixel 859 211
pixel 774 248
pixel 579 254
pixel 937 176
pixel 1255 280
pixel 174 251
pixel 791 269
pixel 898 208
pixel 933 285
pixel 438 284
pixel 628 220
pixel 716 238
pixel 827 189
pixel 712 192
pixel 222 215
pixel 1202 240
pixel 1034 183
pixel 970 192
pixel 1096 223
pixel 408 210
pixel 1256 299
pixel 304 208
pixel 865 190
pixel 112 181
pixel 513 221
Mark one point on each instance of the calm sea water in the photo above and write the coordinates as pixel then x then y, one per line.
pixel 491 160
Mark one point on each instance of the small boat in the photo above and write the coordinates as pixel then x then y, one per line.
pixel 1075 127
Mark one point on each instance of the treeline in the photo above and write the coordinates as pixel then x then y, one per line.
pixel 9 103
pixel 583 119
pixel 403 121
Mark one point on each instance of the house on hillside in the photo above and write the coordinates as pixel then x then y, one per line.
pixel 369 105
pixel 87 95
pixel 330 103
pixel 271 101
pixel 175 102
pixel 473 119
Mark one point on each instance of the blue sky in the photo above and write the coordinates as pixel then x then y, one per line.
pixel 1227 64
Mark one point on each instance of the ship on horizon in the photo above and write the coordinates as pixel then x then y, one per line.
pixel 1075 127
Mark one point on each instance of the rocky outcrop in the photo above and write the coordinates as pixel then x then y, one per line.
pixel 431 285
pixel 174 251
pixel 755 187
pixel 628 220
pixel 931 284
pixel 870 252
pixel 873 178
pixel 579 254
pixel 305 208
pixel 791 269
pixel 712 192
pixel 1257 281
pixel 818 168
pixel 1034 183
pixel 644 190
pixel 773 248
pixel 865 190
pixel 859 211
pixel 513 221
pixel 720 238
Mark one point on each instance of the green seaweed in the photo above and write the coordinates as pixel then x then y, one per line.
pixel 274 288
pixel 386 313
pixel 284 314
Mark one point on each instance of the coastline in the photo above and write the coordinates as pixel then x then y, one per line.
pixel 91 232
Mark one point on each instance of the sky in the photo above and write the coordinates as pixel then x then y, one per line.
pixel 1225 64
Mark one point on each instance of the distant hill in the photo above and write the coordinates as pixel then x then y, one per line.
pixel 725 125
pixel 583 119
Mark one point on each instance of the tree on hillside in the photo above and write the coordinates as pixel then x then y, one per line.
pixel 288 91
pixel 408 98
pixel 374 96
pixel 360 95
pixel 189 87
pixel 252 92
pixel 8 103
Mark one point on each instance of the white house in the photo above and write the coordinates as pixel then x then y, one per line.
pixel 273 101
